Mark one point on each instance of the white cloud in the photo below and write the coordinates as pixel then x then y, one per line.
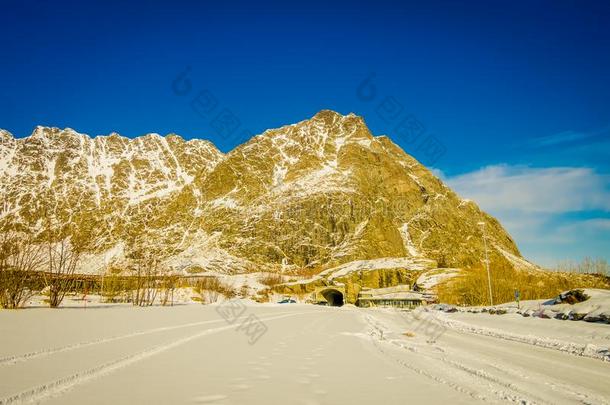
pixel 593 226
pixel 532 204
pixel 570 137
pixel 504 188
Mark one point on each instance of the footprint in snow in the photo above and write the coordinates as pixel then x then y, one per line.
pixel 209 399
pixel 240 387
pixel 308 401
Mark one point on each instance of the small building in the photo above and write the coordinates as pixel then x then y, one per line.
pixel 400 296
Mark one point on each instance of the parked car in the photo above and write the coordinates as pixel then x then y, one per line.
pixel 287 301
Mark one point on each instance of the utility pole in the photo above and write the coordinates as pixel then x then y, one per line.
pixel 102 286
pixel 491 299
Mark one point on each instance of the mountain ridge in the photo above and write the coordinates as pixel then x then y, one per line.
pixel 317 193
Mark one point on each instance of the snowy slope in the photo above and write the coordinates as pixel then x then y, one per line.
pixel 319 193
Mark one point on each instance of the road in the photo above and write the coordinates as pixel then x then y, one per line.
pixel 283 354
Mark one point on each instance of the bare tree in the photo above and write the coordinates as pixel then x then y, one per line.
pixel 148 250
pixel 145 272
pixel 588 265
pixel 169 283
pixel 19 258
pixel 62 261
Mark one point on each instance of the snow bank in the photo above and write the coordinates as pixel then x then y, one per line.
pixel 536 332
pixel 432 278
pixel 595 309
pixel 414 264
pixel 536 322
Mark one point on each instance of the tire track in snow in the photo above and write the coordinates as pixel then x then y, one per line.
pixel 39 393
pixel 10 360
pixel 516 372
pixel 577 349
pixel 377 345
pixel 503 390
pixel 497 384
pixel 567 390
pixel 515 394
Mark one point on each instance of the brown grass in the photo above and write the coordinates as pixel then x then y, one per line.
pixel 308 272
pixel 471 287
pixel 271 279
pixel 194 269
pixel 209 290
pixel 263 295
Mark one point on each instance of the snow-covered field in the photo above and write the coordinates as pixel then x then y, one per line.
pixel 295 354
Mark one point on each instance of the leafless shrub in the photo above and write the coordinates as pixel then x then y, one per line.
pixel 587 266
pixel 145 271
pixel 114 288
pixel 210 289
pixel 168 286
pixel 19 257
pixel 62 260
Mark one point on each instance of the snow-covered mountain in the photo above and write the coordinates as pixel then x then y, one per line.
pixel 319 193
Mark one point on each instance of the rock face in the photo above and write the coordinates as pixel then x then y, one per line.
pixel 318 194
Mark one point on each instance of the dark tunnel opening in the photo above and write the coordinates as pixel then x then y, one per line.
pixel 333 297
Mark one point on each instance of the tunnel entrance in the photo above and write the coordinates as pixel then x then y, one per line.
pixel 333 297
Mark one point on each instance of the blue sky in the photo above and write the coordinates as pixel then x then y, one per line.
pixel 516 95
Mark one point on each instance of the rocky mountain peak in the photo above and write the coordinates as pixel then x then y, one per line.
pixel 5 135
pixel 318 193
